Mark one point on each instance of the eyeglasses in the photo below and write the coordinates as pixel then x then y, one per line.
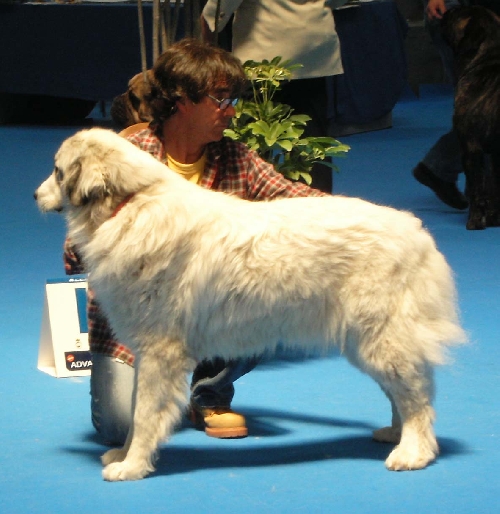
pixel 225 103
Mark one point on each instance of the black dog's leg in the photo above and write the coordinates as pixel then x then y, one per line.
pixel 494 198
pixel 475 172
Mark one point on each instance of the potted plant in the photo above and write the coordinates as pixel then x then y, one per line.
pixel 273 130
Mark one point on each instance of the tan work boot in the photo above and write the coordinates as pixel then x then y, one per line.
pixel 220 422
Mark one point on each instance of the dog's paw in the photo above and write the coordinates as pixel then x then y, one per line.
pixel 119 471
pixel 493 220
pixel 404 459
pixel 476 221
pixel 387 435
pixel 114 455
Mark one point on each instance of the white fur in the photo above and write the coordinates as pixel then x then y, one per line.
pixel 184 273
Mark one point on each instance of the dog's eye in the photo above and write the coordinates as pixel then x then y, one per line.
pixel 59 174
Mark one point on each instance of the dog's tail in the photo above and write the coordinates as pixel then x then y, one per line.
pixel 430 304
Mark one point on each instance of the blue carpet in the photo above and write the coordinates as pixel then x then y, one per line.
pixel 310 447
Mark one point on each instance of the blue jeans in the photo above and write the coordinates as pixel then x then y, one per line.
pixel 112 385
pixel 212 383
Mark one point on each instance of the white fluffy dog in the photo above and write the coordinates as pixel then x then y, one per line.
pixel 186 274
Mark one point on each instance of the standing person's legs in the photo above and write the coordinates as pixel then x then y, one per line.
pixel 444 159
pixel 439 170
pixel 441 166
pixel 309 96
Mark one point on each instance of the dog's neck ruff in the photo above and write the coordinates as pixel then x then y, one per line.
pixel 122 204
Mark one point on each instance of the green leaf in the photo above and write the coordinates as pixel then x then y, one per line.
pixel 260 127
pixel 285 144
pixel 300 118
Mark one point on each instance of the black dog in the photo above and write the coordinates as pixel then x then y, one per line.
pixel 473 33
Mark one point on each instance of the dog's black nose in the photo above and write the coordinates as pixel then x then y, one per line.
pixel 35 195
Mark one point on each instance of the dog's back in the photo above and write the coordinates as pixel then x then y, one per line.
pixel 238 266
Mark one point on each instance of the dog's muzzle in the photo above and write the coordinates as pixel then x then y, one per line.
pixel 42 207
pixel 48 196
pixel 119 112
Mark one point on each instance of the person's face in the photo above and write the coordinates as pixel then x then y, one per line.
pixel 210 116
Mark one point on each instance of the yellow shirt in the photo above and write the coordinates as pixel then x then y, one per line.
pixel 192 172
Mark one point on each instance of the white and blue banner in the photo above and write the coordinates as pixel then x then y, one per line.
pixel 64 343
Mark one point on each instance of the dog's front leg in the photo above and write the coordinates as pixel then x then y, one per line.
pixel 475 172
pixel 494 198
pixel 159 397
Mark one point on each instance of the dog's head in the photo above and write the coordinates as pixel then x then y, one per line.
pixel 465 29
pixel 132 106
pixel 95 170
pixel 80 174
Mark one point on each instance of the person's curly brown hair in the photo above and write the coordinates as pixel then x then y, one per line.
pixel 192 69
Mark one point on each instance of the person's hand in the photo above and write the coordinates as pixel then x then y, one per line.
pixel 435 9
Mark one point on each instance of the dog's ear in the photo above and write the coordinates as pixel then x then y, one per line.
pixel 453 25
pixel 87 181
pixel 139 94
pixel 475 28
pixel 474 34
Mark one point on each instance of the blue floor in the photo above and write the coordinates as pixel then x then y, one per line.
pixel 310 447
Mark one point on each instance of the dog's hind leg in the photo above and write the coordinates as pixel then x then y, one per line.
pixel 494 198
pixel 412 391
pixel 391 434
pixel 160 395
pixel 476 174
pixel 410 388
pixel 408 383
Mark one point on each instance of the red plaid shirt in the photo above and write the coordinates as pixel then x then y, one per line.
pixel 230 167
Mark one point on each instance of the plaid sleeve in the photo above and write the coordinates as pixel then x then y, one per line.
pixel 101 337
pixel 264 182
pixel 147 141
pixel 72 262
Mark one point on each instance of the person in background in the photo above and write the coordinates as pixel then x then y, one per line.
pixel 193 96
pixel 296 30
pixel 441 166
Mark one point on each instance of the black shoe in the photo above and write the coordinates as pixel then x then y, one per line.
pixel 447 192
